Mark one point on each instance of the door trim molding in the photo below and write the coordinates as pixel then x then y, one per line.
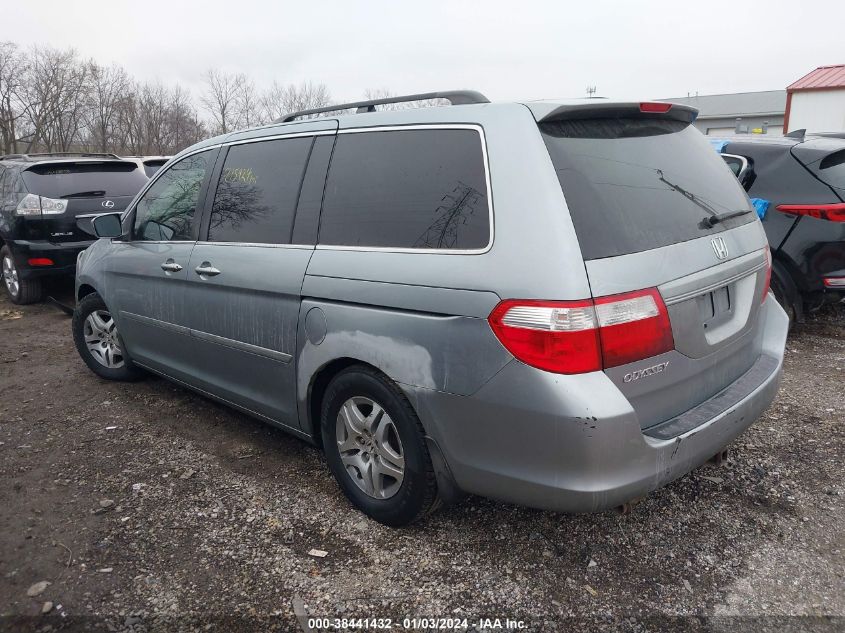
pixel 164 325
pixel 249 348
pixel 241 346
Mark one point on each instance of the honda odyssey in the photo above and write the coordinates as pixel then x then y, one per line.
pixel 558 304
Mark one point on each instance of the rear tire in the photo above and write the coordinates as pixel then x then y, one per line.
pixel 383 466
pixel 98 341
pixel 784 298
pixel 20 291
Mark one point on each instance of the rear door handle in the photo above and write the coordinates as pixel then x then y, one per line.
pixel 171 266
pixel 206 270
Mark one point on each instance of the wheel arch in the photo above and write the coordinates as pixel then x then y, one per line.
pixel 317 386
pixel 83 291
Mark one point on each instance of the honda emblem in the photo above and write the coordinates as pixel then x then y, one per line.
pixel 720 248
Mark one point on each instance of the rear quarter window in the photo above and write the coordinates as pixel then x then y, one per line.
pixel 407 189
pixel 832 169
pixel 636 184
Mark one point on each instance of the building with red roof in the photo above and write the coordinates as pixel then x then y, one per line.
pixel 816 102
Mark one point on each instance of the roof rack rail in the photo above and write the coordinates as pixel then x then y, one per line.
pixel 48 154
pixel 454 97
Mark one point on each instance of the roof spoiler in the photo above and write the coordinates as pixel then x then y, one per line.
pixel 43 155
pixel 635 109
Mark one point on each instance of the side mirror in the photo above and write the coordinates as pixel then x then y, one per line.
pixel 107 225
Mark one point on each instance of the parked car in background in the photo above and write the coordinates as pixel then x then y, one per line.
pixel 800 186
pixel 46 205
pixel 557 304
pixel 150 164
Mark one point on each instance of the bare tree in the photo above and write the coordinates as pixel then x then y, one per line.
pixel 247 105
pixel 52 100
pixel 54 96
pixel 184 125
pixel 283 99
pixel 12 71
pixel 221 97
pixel 371 94
pixel 109 87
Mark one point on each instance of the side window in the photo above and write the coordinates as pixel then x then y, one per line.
pixel 421 189
pixel 167 209
pixel 256 196
pixel 3 189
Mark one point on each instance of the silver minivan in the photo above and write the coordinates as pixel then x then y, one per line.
pixel 558 304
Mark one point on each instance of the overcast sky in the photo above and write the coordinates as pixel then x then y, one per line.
pixel 507 50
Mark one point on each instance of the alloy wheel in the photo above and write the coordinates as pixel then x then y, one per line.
pixel 369 447
pixel 10 276
pixel 100 334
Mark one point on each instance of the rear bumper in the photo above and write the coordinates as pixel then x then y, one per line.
pixel 63 256
pixel 573 443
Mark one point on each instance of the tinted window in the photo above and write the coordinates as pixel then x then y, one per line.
pixel 832 169
pixel 256 196
pixel 735 164
pixel 407 189
pixel 94 179
pixel 167 209
pixel 634 184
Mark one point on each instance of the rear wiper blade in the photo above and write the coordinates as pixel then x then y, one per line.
pixel 86 194
pixel 686 194
pixel 713 220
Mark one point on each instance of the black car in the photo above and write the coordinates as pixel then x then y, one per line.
pixel 46 205
pixel 798 186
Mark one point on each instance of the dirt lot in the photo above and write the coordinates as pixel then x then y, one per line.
pixel 146 507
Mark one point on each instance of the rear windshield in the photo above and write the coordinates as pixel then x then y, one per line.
pixel 94 180
pixel 635 184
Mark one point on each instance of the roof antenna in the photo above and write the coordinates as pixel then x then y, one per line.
pixel 591 90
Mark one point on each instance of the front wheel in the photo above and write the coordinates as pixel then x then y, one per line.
pixel 375 447
pixel 98 341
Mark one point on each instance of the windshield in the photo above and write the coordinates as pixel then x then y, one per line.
pixel 634 184
pixel 89 179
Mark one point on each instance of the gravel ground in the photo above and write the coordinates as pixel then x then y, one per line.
pixel 145 507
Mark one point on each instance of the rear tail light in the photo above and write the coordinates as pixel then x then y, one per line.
pixel 633 326
pixel 574 337
pixel 830 212
pixel 835 282
pixel 655 107
pixel 38 205
pixel 768 283
pixel 40 261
